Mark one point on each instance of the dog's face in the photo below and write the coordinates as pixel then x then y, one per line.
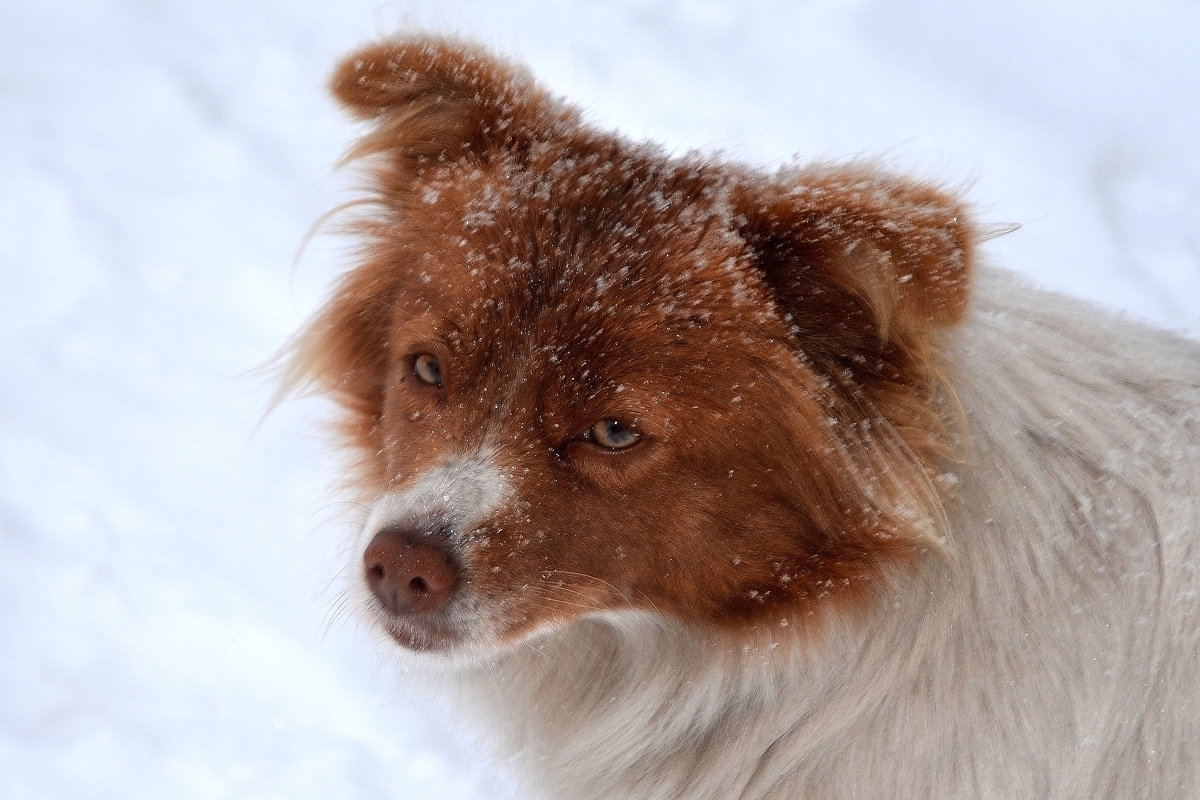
pixel 577 428
pixel 585 377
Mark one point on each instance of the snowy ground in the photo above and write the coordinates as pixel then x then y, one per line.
pixel 168 567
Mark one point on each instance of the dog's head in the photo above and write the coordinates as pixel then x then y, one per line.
pixel 585 376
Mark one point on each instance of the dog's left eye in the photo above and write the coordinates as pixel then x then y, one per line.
pixel 612 435
pixel 428 370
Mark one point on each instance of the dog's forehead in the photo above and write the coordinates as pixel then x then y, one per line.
pixel 622 238
pixel 609 274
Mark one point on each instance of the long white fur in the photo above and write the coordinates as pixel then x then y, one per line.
pixel 1051 650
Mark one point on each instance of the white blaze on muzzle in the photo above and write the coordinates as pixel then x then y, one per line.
pixel 451 499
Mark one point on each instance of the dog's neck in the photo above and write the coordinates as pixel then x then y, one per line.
pixel 637 706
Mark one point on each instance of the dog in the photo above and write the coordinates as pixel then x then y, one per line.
pixel 701 481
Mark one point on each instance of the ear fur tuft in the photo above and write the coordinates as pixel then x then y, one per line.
pixel 863 262
pixel 436 99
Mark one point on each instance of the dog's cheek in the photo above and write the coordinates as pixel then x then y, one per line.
pixel 545 563
pixel 712 547
pixel 510 582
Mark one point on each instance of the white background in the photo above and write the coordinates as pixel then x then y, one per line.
pixel 169 568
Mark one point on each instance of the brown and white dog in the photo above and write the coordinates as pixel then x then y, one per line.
pixel 710 483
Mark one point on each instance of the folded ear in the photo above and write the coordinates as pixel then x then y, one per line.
pixel 866 266
pixel 434 99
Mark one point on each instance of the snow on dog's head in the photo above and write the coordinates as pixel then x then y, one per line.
pixel 584 375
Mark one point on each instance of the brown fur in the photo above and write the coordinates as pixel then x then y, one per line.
pixel 564 275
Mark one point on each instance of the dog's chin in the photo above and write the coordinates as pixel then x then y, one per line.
pixel 441 646
pixel 424 639
pixel 437 644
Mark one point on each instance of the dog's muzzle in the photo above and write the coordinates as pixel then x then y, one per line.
pixel 410 572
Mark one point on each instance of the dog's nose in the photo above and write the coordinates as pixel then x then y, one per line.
pixel 409 573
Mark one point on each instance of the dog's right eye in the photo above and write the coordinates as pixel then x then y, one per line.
pixel 612 435
pixel 428 370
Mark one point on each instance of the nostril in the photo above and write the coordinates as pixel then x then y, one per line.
pixel 409 573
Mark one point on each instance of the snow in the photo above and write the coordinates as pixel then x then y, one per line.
pixel 170 563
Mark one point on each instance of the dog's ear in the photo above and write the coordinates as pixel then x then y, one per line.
pixel 435 99
pixel 866 266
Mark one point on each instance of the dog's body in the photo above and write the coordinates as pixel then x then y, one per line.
pixel 708 484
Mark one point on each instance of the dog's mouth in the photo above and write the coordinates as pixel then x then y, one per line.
pixel 422 635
